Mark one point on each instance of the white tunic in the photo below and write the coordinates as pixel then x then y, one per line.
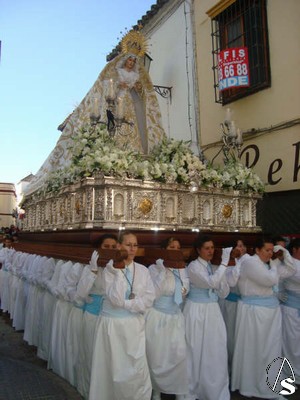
pixel 30 333
pixel 258 336
pixel 165 334
pixel 74 325
pixel 119 368
pixel 21 295
pixel 206 334
pixel 47 273
pixel 57 356
pixel 49 302
pixel 291 322
pixel 6 258
pixel 15 271
pixel 92 284
pixel 229 305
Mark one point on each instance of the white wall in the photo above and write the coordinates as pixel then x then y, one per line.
pixel 171 48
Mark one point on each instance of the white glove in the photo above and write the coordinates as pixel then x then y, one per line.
pixel 160 264
pixel 278 247
pixel 93 262
pixel 111 269
pixel 226 255
pixel 286 254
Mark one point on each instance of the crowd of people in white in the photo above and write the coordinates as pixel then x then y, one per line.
pixel 134 333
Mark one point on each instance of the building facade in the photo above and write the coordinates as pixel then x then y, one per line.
pixel 266 111
pixel 8 204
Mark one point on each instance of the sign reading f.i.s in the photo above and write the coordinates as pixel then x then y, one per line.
pixel 233 68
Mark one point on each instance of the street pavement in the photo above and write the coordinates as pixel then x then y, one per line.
pixel 23 376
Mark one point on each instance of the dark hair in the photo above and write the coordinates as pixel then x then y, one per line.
pixel 294 244
pixel 7 238
pixel 278 238
pixel 165 243
pixel 235 243
pixel 261 241
pixel 106 236
pixel 201 239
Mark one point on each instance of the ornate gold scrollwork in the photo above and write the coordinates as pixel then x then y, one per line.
pixel 145 206
pixel 227 211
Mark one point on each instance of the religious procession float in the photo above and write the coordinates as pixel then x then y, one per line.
pixel 113 167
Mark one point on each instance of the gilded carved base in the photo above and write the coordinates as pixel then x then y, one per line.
pixel 110 203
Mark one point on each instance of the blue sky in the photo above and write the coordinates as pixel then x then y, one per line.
pixel 52 53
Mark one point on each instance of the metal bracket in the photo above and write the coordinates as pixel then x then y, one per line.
pixel 164 91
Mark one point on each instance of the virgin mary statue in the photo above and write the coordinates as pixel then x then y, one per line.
pixel 123 98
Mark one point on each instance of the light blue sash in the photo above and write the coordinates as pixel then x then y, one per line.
pixel 269 301
pixel 95 306
pixel 293 300
pixel 166 305
pixel 234 297
pixel 199 295
pixel 108 310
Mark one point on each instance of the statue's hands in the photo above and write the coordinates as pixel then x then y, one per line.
pixel 122 85
pixel 138 86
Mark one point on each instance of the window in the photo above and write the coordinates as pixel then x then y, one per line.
pixel 242 23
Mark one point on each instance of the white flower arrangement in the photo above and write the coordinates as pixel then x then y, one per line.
pixel 171 161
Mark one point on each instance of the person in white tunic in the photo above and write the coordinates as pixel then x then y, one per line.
pixel 30 329
pixel 204 324
pixel 165 330
pixel 21 295
pixel 258 336
pixel 74 326
pixel 91 289
pixel 57 351
pixel 290 308
pixel 49 303
pixel 119 368
pixel 17 266
pixel 48 267
pixel 6 258
pixel 229 304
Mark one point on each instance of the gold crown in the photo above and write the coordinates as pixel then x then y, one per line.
pixel 134 42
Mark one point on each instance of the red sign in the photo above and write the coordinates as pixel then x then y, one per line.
pixel 233 68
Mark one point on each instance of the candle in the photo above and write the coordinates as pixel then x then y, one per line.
pixel 95 107
pixel 239 139
pixel 232 131
pixel 111 89
pixel 228 116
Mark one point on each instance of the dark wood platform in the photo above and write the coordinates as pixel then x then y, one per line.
pixel 78 245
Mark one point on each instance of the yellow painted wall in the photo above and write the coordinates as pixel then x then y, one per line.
pixel 269 107
pixel 7 203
